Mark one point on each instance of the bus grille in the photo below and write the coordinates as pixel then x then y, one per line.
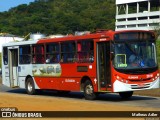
pixel 139 80
pixel 140 87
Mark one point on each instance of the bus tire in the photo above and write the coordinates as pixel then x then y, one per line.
pixel 88 91
pixel 30 88
pixel 126 95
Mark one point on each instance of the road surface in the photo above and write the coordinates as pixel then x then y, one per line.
pixel 75 101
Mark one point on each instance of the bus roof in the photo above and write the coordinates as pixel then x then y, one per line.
pixel 20 43
pixel 99 34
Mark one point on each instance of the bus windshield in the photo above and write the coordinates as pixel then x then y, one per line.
pixel 135 55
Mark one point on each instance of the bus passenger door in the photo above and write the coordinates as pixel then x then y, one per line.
pixel 103 66
pixel 13 67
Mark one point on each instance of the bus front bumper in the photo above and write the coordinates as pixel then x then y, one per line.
pixel 119 86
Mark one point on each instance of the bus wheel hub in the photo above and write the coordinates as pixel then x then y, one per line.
pixel 89 89
pixel 30 87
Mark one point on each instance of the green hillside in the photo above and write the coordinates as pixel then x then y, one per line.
pixel 158 51
pixel 59 16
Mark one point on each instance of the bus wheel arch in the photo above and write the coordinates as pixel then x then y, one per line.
pixel 28 76
pixel 29 85
pixel 87 88
pixel 83 80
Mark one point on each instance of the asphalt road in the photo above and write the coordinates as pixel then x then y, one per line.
pixel 140 101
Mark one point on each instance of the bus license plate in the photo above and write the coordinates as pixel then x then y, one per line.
pixel 141 85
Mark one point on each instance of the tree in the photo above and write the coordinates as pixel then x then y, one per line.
pixel 59 17
pixel 157 30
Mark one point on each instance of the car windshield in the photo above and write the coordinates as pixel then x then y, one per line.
pixel 135 55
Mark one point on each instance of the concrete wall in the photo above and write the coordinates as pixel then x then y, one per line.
pixel 4 40
pixel 127 1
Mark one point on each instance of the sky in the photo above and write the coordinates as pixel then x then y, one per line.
pixel 5 5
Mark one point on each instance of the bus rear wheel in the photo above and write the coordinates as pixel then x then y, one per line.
pixel 126 95
pixel 30 88
pixel 88 91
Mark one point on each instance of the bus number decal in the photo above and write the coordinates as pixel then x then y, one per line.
pixel 132 77
pixel 149 75
pixel 69 80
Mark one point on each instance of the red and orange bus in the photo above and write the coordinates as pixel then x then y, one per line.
pixel 105 61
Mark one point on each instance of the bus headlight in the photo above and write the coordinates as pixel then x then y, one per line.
pixel 118 77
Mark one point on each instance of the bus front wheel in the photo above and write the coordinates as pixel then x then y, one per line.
pixel 88 91
pixel 30 86
pixel 126 95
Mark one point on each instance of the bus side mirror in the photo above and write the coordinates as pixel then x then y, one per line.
pixel 112 55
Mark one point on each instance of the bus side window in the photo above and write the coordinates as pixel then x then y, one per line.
pixel 25 54
pixel 38 54
pixel 33 59
pixel 79 47
pixel 68 52
pixel 5 56
pixel 52 53
pixel 85 52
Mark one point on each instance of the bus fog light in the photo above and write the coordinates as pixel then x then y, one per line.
pixel 158 74
pixel 153 79
pixel 118 77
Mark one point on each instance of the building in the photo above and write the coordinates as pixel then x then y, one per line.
pixel 137 14
pixel 5 38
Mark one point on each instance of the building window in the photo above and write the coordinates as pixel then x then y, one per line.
pixel 38 54
pixel 132 8
pixel 52 53
pixel 154 24
pixel 121 26
pixel 131 26
pixel 85 52
pixel 143 6
pixel 68 52
pixel 5 56
pixel 121 9
pixel 154 5
pixel 25 54
pixel 142 18
pixel 142 25
pixel 121 20
pixel 154 17
pixel 131 19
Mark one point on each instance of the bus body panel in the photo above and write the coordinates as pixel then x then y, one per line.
pixel 22 82
pixel 24 71
pixel 124 82
pixel 66 83
pixel 5 72
pixel 5 75
pixel 62 76
pixel 122 87
pixel 54 83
